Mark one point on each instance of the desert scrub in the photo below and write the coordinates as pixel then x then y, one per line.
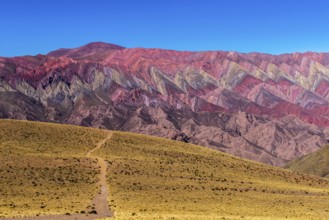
pixel 155 178
pixel 32 185
pixel 25 137
pixel 43 169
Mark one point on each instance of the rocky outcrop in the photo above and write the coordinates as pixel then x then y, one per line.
pixel 258 106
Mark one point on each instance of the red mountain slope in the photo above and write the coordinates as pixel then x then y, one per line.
pixel 259 106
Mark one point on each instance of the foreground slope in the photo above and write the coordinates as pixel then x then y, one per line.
pixel 269 108
pixel 316 163
pixel 45 171
pixel 152 177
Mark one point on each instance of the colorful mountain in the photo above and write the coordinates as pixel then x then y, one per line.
pixel 269 108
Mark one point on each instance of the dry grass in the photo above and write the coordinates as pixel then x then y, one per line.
pixel 46 139
pixel 34 185
pixel 316 163
pixel 154 178
pixel 43 170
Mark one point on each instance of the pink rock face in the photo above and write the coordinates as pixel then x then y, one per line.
pixel 259 106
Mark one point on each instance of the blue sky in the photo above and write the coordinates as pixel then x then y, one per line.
pixel 271 26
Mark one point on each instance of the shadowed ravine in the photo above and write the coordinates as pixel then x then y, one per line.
pixel 100 201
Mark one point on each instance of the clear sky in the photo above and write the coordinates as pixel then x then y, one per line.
pixel 271 26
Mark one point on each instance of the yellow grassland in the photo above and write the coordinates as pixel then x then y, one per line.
pixel 44 170
pixel 155 178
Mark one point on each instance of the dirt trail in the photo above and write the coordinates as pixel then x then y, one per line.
pixel 100 201
pixel 99 144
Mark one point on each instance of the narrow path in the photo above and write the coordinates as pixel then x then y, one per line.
pixel 100 200
pixel 99 144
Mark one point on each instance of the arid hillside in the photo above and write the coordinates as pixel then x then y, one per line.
pixel 316 163
pixel 57 170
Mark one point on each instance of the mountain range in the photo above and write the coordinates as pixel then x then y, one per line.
pixel 268 108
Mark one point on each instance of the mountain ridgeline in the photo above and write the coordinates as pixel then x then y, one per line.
pixel 262 107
